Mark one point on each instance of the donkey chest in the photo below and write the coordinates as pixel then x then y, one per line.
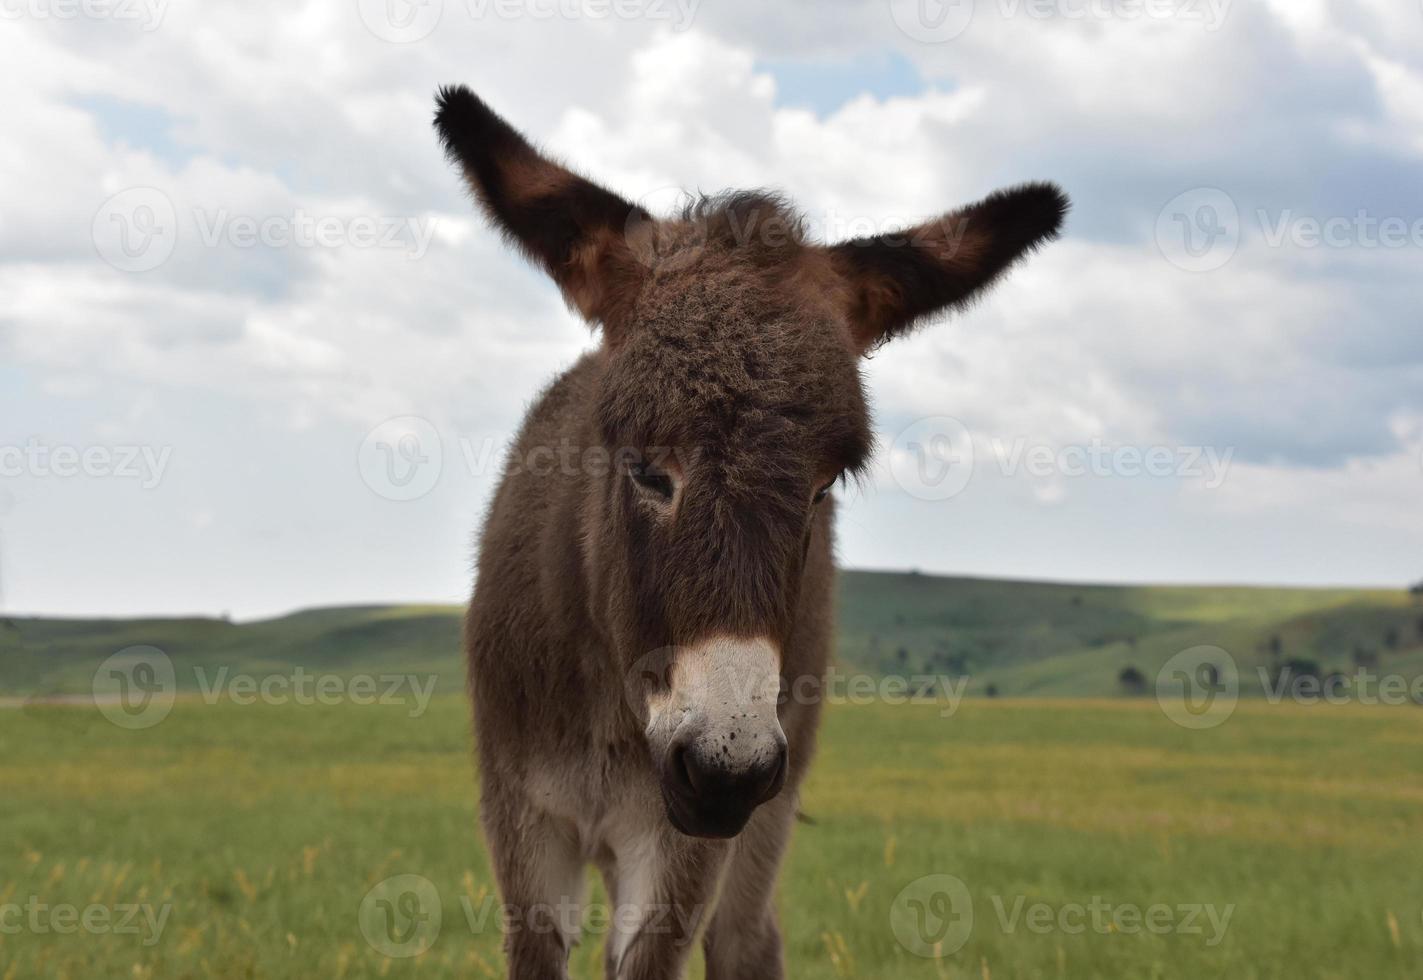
pixel 596 793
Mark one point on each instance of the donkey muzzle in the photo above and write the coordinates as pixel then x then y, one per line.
pixel 727 754
pixel 709 795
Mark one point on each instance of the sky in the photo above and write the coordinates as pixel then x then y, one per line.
pixel 258 352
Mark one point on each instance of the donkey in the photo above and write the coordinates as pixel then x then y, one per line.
pixel 655 573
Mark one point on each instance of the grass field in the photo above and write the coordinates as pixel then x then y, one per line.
pixel 1292 831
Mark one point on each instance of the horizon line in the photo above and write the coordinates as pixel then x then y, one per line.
pixel 960 576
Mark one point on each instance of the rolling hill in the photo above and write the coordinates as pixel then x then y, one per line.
pixel 1009 638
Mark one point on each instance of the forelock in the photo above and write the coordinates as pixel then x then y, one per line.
pixel 757 226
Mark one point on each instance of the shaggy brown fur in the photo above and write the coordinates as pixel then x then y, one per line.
pixel 726 393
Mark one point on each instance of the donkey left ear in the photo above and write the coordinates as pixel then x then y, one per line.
pixel 572 227
pixel 895 280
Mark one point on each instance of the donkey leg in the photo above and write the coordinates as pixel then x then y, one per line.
pixel 665 889
pixel 743 940
pixel 539 868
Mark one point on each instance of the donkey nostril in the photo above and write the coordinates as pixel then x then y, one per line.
pixel 775 777
pixel 684 771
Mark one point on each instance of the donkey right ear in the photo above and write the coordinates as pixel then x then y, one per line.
pixel 569 225
pixel 897 280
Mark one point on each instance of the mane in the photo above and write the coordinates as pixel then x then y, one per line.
pixel 760 225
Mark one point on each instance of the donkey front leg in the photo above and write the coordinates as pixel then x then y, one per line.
pixel 743 939
pixel 665 887
pixel 540 872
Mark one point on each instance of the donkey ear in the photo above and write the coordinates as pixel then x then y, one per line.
pixel 569 225
pixel 895 280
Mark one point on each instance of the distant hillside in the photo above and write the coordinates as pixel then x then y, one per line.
pixel 1041 639
pixel 1020 638
pixel 60 655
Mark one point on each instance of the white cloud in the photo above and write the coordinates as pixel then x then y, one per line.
pixel 1303 361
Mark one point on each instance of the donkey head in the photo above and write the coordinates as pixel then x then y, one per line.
pixel 730 401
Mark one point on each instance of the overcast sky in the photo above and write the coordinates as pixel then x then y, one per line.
pixel 231 253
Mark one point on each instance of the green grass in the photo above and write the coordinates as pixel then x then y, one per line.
pixel 1023 638
pixel 264 826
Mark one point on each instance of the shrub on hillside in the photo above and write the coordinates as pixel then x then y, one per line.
pixel 1132 679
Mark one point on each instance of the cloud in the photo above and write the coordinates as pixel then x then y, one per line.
pixel 258 129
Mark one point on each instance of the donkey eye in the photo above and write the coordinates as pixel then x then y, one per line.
pixel 824 491
pixel 652 480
